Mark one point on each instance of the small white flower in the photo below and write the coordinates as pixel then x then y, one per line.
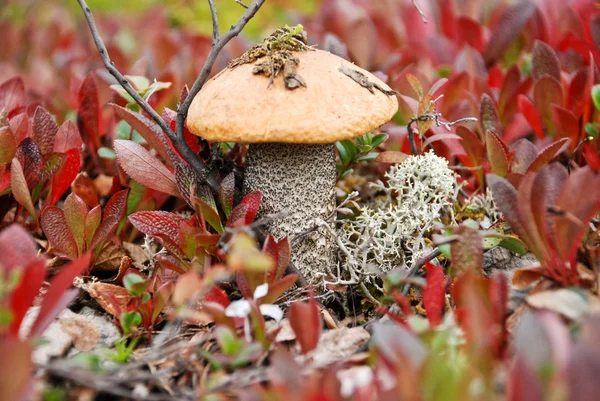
pixel 242 308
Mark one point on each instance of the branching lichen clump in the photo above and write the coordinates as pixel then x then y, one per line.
pixel 391 232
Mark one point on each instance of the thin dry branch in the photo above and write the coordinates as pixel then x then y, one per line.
pixel 217 46
pixel 176 137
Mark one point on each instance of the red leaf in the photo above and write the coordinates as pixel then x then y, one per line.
pixel 206 208
pixel 589 154
pixel 567 125
pixel 22 297
pixel 30 157
pixel 489 116
pixel 467 251
pixel 284 253
pixel 270 248
pixel 237 216
pixel 470 32
pixel 578 95
pixel 253 200
pixel 217 295
pixel 76 211
pixel 92 222
pixel 8 145
pixel 279 287
pixel 531 115
pixel 89 109
pixel 17 248
pixel 67 138
pixel 145 168
pixel 44 130
pixel 305 320
pixel 391 157
pixel 157 222
pixel 547 154
pixel 12 95
pixel 16 368
pixel 19 187
pixel 497 154
pixel 19 126
pixel 145 127
pixel 547 92
pixel 64 177
pixel 170 116
pixel 5 178
pixel 508 27
pixel 523 384
pixel 227 192
pixel 113 213
pixel 525 153
pixel 52 162
pixel 569 233
pixel 57 297
pixel 510 86
pixel 55 227
pixel 544 61
pixel 434 293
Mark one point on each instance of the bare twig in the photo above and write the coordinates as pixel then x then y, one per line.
pixel 176 137
pixel 431 115
pixel 241 3
pixel 217 46
pixel 423 16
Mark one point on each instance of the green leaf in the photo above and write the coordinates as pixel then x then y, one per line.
pixel 378 139
pixel 591 130
pixel 368 157
pixel 107 153
pixel 596 96
pixel 514 244
pixel 135 284
pixel 130 320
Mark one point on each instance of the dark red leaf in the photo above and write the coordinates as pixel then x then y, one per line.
pixel 547 154
pixel 284 253
pixel 305 320
pixel 30 157
pixel 544 61
pixel 489 116
pixel 113 213
pixel 546 93
pixel 467 251
pixel 89 109
pixel 12 95
pixel 497 154
pixel 145 168
pixel 157 222
pixel 253 200
pixel 44 130
pixel 227 192
pixel 67 138
pixel 19 188
pixel 525 153
pixel 589 154
pixel 237 216
pixel 567 125
pixel 434 294
pixel 279 287
pixel 146 128
pixel 55 227
pixel 57 297
pixel 270 248
pixel 569 233
pixel 63 178
pixel 508 28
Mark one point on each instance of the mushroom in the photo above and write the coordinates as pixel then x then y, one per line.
pixel 291 136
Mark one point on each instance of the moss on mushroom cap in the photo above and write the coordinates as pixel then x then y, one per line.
pixel 237 106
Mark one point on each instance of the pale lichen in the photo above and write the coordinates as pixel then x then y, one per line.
pixel 391 231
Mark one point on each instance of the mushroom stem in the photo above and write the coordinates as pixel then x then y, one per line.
pixel 299 179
